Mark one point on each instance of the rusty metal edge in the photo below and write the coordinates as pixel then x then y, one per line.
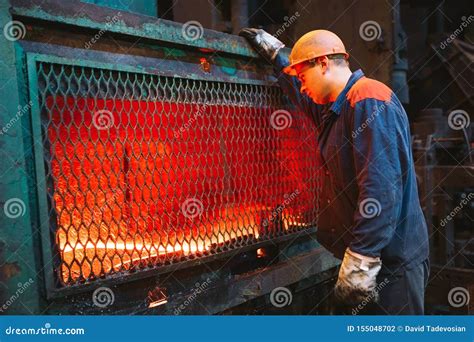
pixel 255 284
pixel 125 277
pixel 90 16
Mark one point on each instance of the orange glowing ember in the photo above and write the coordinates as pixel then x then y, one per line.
pixel 123 176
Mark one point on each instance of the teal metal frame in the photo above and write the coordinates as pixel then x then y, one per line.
pixel 131 24
pixel 43 206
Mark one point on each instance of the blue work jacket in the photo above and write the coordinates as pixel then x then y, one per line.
pixel 369 197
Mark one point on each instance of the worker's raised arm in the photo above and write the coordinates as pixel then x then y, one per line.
pixel 291 86
pixel 269 48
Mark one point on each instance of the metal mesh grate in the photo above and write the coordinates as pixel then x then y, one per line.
pixel 146 170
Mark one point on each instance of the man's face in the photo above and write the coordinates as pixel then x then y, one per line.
pixel 314 82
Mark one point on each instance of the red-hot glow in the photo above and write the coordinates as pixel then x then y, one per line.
pixel 119 191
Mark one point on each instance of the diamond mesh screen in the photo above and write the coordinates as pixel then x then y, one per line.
pixel 147 170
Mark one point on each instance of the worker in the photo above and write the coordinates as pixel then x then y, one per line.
pixel 370 214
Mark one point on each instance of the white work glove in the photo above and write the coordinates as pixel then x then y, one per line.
pixel 263 42
pixel 357 279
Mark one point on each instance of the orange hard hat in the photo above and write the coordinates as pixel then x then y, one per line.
pixel 312 45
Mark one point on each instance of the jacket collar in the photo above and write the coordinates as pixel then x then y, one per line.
pixel 337 105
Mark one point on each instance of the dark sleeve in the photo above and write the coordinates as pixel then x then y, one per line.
pixel 380 144
pixel 291 87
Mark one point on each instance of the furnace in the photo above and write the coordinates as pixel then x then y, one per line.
pixel 145 170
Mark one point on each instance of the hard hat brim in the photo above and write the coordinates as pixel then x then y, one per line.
pixel 290 69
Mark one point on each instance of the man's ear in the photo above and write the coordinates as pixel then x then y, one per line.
pixel 324 62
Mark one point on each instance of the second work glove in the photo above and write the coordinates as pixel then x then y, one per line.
pixel 357 279
pixel 263 42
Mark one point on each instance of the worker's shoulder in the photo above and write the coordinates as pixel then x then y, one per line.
pixel 367 88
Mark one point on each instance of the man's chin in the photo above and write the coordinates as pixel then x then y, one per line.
pixel 316 100
pixel 320 100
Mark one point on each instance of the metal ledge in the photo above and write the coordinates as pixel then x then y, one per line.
pixel 90 16
pixel 127 277
pixel 317 263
